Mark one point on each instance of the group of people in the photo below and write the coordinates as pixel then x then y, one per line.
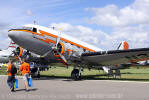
pixel 12 70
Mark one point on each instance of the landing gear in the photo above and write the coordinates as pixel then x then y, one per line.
pixel 38 73
pixel 35 72
pixel 76 74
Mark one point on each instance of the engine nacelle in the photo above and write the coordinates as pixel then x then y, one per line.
pixel 67 49
pixel 61 49
pixel 19 51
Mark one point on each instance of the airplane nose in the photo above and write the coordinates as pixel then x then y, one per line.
pixel 12 34
pixel 18 36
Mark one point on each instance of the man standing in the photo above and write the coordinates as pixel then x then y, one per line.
pixel 12 70
pixel 25 69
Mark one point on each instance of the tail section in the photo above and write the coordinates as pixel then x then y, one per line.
pixel 12 46
pixel 123 46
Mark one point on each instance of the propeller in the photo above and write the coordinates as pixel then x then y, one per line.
pixel 56 48
pixel 13 55
pixel 16 54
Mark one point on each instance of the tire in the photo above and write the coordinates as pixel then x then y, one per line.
pixel 38 75
pixel 75 75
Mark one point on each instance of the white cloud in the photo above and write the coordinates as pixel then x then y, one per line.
pixel 86 34
pixel 111 15
pixel 135 36
pixel 4 40
pixel 29 12
pixel 129 23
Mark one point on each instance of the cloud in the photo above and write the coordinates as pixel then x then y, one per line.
pixel 85 34
pixel 129 23
pixel 29 12
pixel 4 35
pixel 111 15
pixel 136 36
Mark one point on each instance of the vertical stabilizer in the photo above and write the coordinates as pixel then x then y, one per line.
pixel 12 46
pixel 123 46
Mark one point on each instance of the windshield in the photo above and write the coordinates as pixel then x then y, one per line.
pixel 27 28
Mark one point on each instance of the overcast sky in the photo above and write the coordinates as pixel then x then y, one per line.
pixel 103 23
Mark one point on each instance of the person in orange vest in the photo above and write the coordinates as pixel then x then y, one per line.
pixel 25 69
pixel 12 70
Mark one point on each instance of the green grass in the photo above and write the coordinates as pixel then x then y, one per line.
pixel 3 71
pixel 131 74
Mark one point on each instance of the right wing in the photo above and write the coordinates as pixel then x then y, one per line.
pixel 115 57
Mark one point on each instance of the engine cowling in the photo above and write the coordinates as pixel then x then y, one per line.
pixel 61 49
pixel 19 51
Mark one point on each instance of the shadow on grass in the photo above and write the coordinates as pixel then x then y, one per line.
pixel 89 77
pixel 134 73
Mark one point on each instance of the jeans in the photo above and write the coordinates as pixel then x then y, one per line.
pixel 10 81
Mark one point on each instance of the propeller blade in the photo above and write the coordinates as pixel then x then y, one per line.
pixel 13 57
pixel 58 38
pixel 62 57
pixel 57 41
pixel 46 53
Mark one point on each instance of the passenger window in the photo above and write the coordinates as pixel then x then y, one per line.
pixel 34 29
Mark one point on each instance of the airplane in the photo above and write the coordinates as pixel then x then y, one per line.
pixel 36 63
pixel 5 54
pixel 54 46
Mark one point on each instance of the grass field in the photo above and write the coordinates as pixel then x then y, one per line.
pixel 132 74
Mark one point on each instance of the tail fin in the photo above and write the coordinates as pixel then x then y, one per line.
pixel 123 46
pixel 12 45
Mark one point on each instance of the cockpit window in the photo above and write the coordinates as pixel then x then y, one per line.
pixel 27 28
pixel 34 29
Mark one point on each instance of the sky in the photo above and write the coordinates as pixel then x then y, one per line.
pixel 102 23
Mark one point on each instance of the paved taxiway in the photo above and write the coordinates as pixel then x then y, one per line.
pixel 63 89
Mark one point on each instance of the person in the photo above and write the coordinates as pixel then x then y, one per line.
pixel 12 70
pixel 25 69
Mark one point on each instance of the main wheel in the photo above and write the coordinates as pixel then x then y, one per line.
pixel 75 74
pixel 38 75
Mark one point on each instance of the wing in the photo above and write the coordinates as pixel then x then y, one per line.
pixel 114 57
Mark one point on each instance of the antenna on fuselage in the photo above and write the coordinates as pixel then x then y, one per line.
pixel 35 23
pixel 53 27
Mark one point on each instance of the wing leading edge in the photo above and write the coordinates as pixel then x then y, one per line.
pixel 114 57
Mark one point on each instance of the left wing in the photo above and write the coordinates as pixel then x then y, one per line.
pixel 114 57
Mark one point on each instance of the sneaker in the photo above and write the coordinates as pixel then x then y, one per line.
pixel 27 90
pixel 12 89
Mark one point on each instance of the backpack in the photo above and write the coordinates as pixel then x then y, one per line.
pixel 13 70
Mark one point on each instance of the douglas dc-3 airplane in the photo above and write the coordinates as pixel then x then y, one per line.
pixel 54 46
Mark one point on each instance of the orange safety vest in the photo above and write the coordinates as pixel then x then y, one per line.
pixel 9 69
pixel 25 68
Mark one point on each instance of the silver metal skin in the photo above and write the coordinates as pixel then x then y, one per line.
pixel 29 42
